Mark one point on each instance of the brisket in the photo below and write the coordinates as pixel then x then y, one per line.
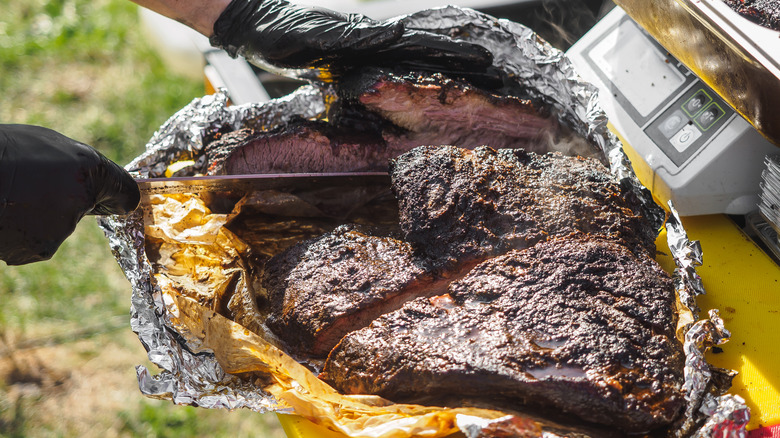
pixel 462 206
pixel 324 288
pixel 298 147
pixel 381 115
pixel 583 326
pixel 435 109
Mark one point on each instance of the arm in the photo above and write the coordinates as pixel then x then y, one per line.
pixel 289 35
pixel 197 14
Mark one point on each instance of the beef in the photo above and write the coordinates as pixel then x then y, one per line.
pixel 381 115
pixel 520 281
pixel 462 206
pixel 435 109
pixel 763 12
pixel 298 147
pixel 323 288
pixel 582 325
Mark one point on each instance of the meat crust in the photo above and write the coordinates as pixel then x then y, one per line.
pixel 463 206
pixel 763 12
pixel 324 288
pixel 580 325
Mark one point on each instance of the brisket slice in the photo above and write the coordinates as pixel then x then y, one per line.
pixel 298 147
pixel 582 326
pixel 435 109
pixel 461 206
pixel 321 289
pixel 380 116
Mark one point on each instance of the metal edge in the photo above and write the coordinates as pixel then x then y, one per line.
pixel 204 184
pixel 759 42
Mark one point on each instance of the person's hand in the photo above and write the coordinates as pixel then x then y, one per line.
pixel 48 182
pixel 291 36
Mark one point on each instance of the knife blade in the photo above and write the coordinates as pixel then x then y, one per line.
pixel 247 183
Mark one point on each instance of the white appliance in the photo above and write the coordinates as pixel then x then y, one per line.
pixel 691 147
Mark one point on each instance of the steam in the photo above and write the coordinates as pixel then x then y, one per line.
pixel 567 142
pixel 562 22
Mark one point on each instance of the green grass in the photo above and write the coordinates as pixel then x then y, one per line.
pixel 186 421
pixel 85 69
pixel 81 68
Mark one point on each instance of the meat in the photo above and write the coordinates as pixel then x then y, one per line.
pixel 457 208
pixel 381 115
pixel 434 109
pixel 462 206
pixel 519 280
pixel 578 325
pixel 321 289
pixel 763 12
pixel 299 147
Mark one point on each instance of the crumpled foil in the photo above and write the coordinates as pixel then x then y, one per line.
pixel 191 374
pixel 706 402
pixel 181 137
pixel 770 192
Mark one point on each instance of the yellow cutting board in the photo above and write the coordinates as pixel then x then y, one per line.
pixel 743 283
pixel 299 427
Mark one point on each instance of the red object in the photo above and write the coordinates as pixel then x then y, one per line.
pixel 765 432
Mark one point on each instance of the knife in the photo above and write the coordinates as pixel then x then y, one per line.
pixel 247 183
pixel 330 195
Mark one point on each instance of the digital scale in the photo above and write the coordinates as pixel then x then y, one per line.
pixel 687 144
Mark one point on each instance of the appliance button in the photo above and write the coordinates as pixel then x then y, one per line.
pixel 685 137
pixel 709 116
pixel 673 123
pixel 696 102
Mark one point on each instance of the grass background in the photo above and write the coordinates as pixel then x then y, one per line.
pixel 67 354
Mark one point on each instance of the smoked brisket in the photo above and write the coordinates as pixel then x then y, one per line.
pixel 381 115
pixel 299 147
pixel 461 206
pixel 763 12
pixel 583 326
pixel 435 109
pixel 321 289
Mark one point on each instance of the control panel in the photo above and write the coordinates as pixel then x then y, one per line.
pixel 686 143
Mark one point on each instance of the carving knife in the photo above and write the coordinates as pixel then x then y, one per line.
pixel 245 183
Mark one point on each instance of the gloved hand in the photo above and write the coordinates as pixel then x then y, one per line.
pixel 292 36
pixel 48 182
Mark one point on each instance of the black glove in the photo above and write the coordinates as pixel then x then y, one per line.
pixel 291 36
pixel 48 182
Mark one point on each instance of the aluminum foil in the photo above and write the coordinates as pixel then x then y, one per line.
pixel 190 375
pixel 182 136
pixel 770 192
pixel 706 401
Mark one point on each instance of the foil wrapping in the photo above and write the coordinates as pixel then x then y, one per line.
pixel 770 192
pixel 192 371
pixel 182 136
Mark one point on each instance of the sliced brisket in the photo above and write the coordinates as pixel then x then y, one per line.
pixel 435 109
pixel 461 206
pixel 324 288
pixel 578 325
pixel 381 115
pixel 299 147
